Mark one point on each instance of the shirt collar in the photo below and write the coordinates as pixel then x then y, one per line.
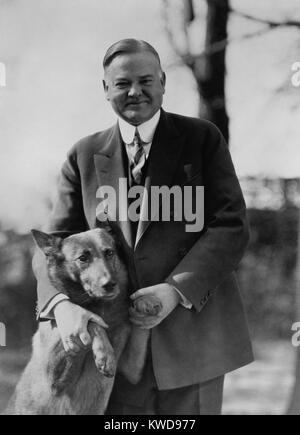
pixel 146 130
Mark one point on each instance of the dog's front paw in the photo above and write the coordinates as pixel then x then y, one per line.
pixel 106 363
pixel 147 305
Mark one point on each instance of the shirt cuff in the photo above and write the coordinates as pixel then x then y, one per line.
pixel 183 300
pixel 47 312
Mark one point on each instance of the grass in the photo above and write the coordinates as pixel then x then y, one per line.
pixel 264 387
pixel 12 364
pixel 260 388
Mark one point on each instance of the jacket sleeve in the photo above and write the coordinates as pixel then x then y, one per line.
pixel 67 218
pixel 222 244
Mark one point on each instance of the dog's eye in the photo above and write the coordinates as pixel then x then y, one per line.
pixel 109 253
pixel 84 257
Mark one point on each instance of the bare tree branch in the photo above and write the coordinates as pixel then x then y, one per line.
pixel 221 45
pixel 186 58
pixel 170 34
pixel 271 24
pixel 189 60
pixel 252 35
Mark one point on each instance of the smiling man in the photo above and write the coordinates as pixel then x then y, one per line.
pixel 134 84
pixel 201 333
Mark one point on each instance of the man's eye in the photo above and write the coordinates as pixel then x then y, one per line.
pixel 121 85
pixel 109 253
pixel 147 82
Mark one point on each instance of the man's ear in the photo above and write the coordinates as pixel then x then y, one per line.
pixel 105 87
pixel 163 80
pixel 50 245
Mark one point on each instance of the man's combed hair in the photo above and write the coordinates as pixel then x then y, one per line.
pixel 128 46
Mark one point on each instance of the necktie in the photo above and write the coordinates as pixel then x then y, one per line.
pixel 138 157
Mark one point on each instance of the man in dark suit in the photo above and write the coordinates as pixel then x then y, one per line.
pixel 201 333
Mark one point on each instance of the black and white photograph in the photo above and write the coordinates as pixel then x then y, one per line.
pixel 150 210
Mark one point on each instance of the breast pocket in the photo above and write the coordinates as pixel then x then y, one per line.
pixel 195 179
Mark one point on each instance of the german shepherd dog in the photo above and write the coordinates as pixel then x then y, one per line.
pixel 88 268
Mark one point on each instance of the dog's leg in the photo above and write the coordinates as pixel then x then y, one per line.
pixel 133 359
pixel 119 338
pixel 61 370
pixel 103 351
pixel 64 370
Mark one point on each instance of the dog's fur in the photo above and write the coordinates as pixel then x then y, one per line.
pixel 88 268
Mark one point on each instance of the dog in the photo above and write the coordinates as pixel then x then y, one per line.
pixel 88 268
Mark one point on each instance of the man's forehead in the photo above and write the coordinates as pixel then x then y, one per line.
pixel 143 63
pixel 124 74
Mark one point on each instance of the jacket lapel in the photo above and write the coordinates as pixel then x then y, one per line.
pixel 109 169
pixel 164 157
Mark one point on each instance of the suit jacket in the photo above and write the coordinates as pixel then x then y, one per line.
pixel 211 339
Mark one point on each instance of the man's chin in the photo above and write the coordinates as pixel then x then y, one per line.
pixel 136 117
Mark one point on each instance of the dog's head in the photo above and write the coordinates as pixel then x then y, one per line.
pixel 87 265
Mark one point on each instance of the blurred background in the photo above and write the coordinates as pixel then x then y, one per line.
pixel 229 61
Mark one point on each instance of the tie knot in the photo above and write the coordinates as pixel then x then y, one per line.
pixel 137 156
pixel 137 140
pixel 137 145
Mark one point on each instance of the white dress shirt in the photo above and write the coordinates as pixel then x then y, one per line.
pixel 146 132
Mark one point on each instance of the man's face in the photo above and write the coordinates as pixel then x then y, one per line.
pixel 134 84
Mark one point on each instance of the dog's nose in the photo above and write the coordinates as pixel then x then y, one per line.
pixel 109 286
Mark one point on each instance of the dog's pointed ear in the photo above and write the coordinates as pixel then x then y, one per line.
pixel 105 225
pixel 48 243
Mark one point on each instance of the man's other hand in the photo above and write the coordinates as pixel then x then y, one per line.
pixel 169 298
pixel 72 323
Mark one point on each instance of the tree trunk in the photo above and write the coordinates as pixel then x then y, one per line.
pixel 188 10
pixel 210 69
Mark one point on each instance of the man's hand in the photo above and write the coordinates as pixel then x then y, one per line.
pixel 169 298
pixel 72 322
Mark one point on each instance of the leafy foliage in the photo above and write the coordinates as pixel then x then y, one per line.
pixel 266 274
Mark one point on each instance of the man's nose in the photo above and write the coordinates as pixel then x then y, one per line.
pixel 135 91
